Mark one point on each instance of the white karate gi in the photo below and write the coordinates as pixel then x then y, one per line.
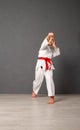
pixel 40 70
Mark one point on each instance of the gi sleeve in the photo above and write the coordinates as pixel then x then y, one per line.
pixel 56 52
pixel 44 45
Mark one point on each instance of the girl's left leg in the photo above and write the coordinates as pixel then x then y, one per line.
pixel 50 85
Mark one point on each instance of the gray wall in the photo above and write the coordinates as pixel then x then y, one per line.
pixel 23 26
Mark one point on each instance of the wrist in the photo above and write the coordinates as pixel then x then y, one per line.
pixel 54 46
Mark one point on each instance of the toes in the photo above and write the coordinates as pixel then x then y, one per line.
pixel 51 101
pixel 33 95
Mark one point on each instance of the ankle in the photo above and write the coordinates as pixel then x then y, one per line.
pixel 51 96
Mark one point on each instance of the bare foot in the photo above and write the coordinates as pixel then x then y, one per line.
pixel 51 100
pixel 33 95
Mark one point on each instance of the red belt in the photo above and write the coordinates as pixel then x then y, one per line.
pixel 47 60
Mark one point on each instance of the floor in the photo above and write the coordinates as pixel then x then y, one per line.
pixel 21 112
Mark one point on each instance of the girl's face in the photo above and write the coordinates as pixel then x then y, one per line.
pixel 52 38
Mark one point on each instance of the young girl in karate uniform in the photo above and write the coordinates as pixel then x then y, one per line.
pixel 44 67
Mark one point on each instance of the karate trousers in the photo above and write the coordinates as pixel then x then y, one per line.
pixel 39 76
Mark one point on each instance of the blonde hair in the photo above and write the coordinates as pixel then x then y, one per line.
pixel 50 34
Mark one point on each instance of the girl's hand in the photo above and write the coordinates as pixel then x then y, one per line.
pixel 50 42
pixel 54 45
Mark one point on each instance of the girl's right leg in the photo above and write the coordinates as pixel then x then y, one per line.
pixel 39 76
